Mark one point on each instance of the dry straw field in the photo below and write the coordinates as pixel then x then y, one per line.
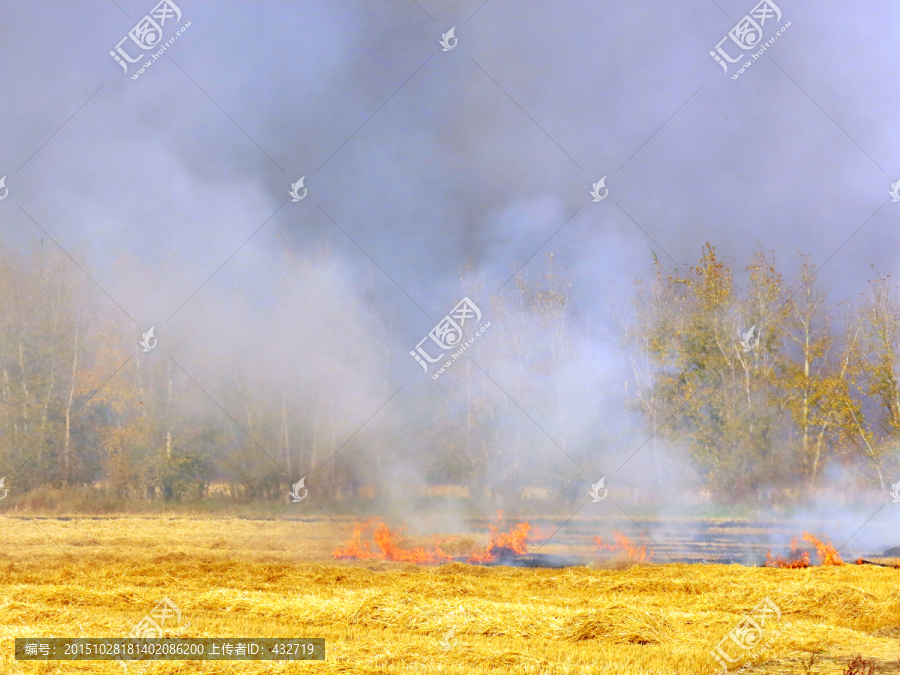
pixel 247 578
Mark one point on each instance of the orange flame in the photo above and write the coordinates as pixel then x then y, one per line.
pixel 356 549
pixel 624 547
pixel 827 553
pixel 516 540
pixel 799 561
pixel 389 545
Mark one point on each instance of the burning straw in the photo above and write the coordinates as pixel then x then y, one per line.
pixel 623 548
pixel 390 545
pixel 515 541
pixel 827 554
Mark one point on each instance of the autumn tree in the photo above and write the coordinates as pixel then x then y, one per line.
pixel 874 357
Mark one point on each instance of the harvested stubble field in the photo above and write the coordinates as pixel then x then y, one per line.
pixel 86 577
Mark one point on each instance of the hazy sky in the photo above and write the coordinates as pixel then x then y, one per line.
pixel 417 160
pixel 483 153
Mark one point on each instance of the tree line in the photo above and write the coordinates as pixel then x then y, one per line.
pixel 819 391
pixel 267 390
pixel 285 389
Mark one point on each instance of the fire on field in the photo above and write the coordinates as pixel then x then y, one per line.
pixel 389 545
pixel 232 577
pixel 799 559
pixel 374 540
pixel 826 552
